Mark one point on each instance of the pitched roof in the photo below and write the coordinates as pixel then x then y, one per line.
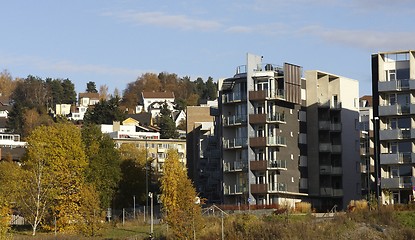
pixel 144 118
pixel 89 95
pixel 157 94
pixel 368 100
pixel 5 101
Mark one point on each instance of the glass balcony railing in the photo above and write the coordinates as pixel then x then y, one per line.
pixel 235 143
pixel 233 97
pixel 234 120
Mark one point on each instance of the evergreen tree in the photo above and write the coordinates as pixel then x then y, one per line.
pixel 166 124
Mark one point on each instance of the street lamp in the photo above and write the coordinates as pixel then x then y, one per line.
pixel 150 195
pixel 146 166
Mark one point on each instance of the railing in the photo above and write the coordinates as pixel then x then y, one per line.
pixel 397 182
pixel 277 141
pixel 235 143
pixel 280 164
pixel 233 97
pixel 234 166
pixel 276 94
pixel 276 117
pixel 234 120
pixel 395 85
pixel 234 189
pixel 277 187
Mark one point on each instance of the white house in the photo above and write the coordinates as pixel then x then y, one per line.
pixel 63 109
pixel 128 130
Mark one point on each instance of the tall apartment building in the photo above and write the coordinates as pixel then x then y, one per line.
pixel 367 147
pixel 203 152
pixel 260 108
pixel 332 139
pixel 393 86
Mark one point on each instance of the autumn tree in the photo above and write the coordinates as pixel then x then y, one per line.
pixel 103 170
pixel 7 84
pixel 55 163
pixel 178 197
pixel 105 112
pixel 103 92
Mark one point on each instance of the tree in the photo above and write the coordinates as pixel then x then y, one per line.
pixel 182 125
pixel 69 94
pixel 55 163
pixel 211 90
pixel 133 178
pixel 104 112
pixel 178 198
pixel 103 92
pixel 7 84
pixel 166 124
pixel 103 170
pixel 91 87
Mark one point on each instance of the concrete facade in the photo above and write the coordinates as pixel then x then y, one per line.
pixel 393 86
pixel 333 139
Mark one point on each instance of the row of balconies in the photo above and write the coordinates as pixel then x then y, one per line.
pixel 330 148
pixel 398 85
pixel 397 182
pixel 233 97
pixel 278 141
pixel 397 158
pixel 365 151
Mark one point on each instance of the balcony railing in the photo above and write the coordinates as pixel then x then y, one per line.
pixel 234 166
pixel 397 182
pixel 263 165
pixel 277 187
pixel 267 118
pixel 235 143
pixel 269 94
pixel 259 188
pixel 397 85
pixel 233 97
pixel 328 169
pixel 234 189
pixel 234 120
pixel 390 134
pixel 397 158
pixel 396 109
pixel 276 117
pixel 331 104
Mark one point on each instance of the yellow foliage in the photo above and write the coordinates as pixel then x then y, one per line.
pixel 358 205
pixel 303 207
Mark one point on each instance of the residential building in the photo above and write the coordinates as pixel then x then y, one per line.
pixel 260 129
pixel 393 88
pixel 367 147
pixel 156 149
pixel 152 102
pixel 84 101
pixel 332 139
pixel 203 152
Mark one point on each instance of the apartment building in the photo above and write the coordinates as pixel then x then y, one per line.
pixel 393 86
pixel 367 147
pixel 333 139
pixel 260 129
pixel 204 153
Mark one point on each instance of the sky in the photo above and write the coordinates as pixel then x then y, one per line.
pixel 114 42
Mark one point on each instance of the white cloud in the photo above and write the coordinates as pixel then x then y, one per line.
pixel 66 66
pixel 165 20
pixel 366 39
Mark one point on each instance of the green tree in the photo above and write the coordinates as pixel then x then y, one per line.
pixel 103 171
pixel 69 93
pixel 91 87
pixel 166 124
pixel 211 90
pixel 133 175
pixel 178 197
pixel 105 112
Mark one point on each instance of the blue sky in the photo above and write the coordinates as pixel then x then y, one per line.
pixel 114 42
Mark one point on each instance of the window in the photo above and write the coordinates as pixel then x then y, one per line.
pixel 390 75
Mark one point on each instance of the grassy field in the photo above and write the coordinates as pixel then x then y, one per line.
pixel 363 224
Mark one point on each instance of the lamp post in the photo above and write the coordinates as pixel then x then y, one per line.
pixel 377 163
pixel 145 211
pixel 150 195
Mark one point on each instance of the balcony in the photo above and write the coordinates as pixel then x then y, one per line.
pixel 277 141
pixel 234 189
pixel 330 170
pixel 259 188
pixel 335 105
pixel 391 134
pixel 234 120
pixel 266 118
pixel 336 148
pixel 235 143
pixel 234 166
pixel 396 109
pixel 270 94
pixel 325 147
pixel 233 97
pixel 392 86
pixel 324 125
pixel 335 127
pixel 277 187
pixel 397 158
pixel 398 182
pixel 268 165
pixel 326 191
